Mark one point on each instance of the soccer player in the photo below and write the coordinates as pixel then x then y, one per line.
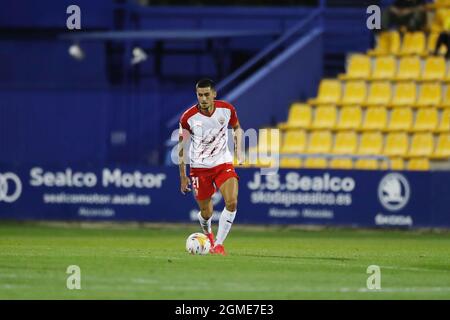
pixel 211 166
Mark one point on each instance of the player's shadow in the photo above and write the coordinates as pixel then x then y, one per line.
pixel 296 257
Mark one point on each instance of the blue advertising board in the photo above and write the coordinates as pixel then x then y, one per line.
pixel 318 197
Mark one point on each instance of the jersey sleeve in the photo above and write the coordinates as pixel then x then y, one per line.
pixel 233 117
pixel 184 124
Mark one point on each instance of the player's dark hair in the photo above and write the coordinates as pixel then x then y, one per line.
pixel 205 83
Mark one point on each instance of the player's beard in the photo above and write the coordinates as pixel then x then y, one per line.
pixel 206 108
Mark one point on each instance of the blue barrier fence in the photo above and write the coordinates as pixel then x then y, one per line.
pixel 93 127
pixel 318 197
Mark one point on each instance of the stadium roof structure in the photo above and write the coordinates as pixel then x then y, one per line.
pixel 165 34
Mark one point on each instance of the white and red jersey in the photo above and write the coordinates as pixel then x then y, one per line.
pixel 209 134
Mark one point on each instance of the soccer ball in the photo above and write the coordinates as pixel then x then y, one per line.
pixel 198 243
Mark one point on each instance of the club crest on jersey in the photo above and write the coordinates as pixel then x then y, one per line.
pixel 197 123
pixel 221 121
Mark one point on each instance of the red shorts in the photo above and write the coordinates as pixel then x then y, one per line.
pixel 205 181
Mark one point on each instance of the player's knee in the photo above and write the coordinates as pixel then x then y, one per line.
pixel 231 205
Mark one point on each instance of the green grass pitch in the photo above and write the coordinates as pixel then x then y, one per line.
pixel 125 261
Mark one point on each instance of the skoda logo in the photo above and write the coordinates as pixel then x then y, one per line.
pixel 10 187
pixel 393 191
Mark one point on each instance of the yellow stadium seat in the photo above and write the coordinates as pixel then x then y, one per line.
pixel 446 102
pixel 384 68
pixel 379 93
pixel 264 162
pixel 371 143
pixel 268 141
pixel 254 160
pixel 387 43
pixel 431 44
pixel 329 92
pixel 315 163
pixel 375 119
pixel 413 43
pixel 441 3
pixel 429 95
pixel 426 120
pixel 418 164
pixel 395 42
pixel 439 22
pixel 393 164
pixel 359 67
pixel 383 44
pixel 447 76
pixel 325 117
pixel 345 142
pixel 408 69
pixel 434 69
pixel 290 163
pixel 422 145
pixel 294 142
pixel 405 94
pixel 341 163
pixel 444 123
pixel 401 119
pixel 300 116
pixel 319 142
pixel 384 165
pixel 396 144
pixel 350 118
pixel 366 164
pixel 397 164
pixel 354 93
pixel 442 150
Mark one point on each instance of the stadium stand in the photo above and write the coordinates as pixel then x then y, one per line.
pixel 294 142
pixel 300 116
pixel 354 93
pixel 389 111
pixel 375 119
pixel 426 120
pixel 325 117
pixel 329 92
pixel 380 93
pixel 388 43
pixel 384 68
pixel 350 118
pixel 401 119
pixel 434 69
pixel 409 68
pixel 359 68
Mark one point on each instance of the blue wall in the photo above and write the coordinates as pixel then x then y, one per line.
pixel 54 109
pixel 58 127
pixel 46 64
pixel 345 32
pixel 52 14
